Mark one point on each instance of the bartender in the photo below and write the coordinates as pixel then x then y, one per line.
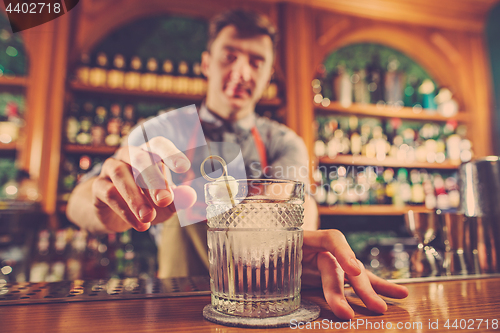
pixel 238 64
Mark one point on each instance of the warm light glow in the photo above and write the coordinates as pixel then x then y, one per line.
pixel 342 171
pixel 440 157
pixel 11 190
pixel 316 83
pixel 380 156
pixel 6 270
pixel 318 98
pixel 465 156
pixel 11 51
pixel 5 138
pixel 325 102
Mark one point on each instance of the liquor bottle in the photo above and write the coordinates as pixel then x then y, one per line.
pixel 114 130
pixel 411 96
pixel 72 129
pixel 404 186
pixel 84 164
pixel 351 195
pixel 390 186
pixel 427 90
pixel 343 135
pixel 181 81
pixel 375 79
pixel 360 87
pixel 355 138
pixel 116 75
pixel 331 197
pixel 84 137
pixel 363 187
pixel 320 194
pixel 91 259
pixel 110 255
pixel 69 178
pixel 393 84
pixel 165 82
pixel 430 197
pixel 128 120
pixel 149 78
pixel 319 148
pixel 198 83
pixel 75 261
pixel 451 187
pixel 453 148
pixel 100 115
pixel 442 199
pixel 98 74
pixel 58 266
pixel 133 76
pixel 379 188
pixel 83 70
pixel 417 189
pixel 40 267
pixel 271 90
pixel 343 86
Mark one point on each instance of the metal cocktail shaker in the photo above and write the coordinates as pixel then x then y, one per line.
pixel 479 183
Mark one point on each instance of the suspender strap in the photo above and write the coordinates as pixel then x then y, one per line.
pixel 261 148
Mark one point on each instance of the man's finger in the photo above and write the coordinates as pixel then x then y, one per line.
pixel 120 175
pixel 387 288
pixel 169 153
pixel 363 288
pixel 334 242
pixel 108 195
pixel 332 279
pixel 149 173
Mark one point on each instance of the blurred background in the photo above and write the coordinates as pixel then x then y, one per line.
pixel 389 96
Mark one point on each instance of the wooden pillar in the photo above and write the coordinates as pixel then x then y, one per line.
pixel 46 90
pixel 298 39
pixel 481 131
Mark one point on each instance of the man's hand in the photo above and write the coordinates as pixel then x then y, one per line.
pixel 328 252
pixel 135 188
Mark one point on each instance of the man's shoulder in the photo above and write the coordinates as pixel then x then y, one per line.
pixel 272 128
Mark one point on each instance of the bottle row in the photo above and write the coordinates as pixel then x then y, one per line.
pixel 406 141
pixel 69 254
pixel 16 184
pixel 11 116
pixel 379 186
pixel 390 86
pixel 100 122
pixel 72 170
pixel 13 58
pixel 148 75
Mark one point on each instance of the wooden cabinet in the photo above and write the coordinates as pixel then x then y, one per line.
pixel 445 37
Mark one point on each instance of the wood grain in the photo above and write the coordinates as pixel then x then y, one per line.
pixel 369 210
pixel 373 110
pixel 430 301
pixel 388 161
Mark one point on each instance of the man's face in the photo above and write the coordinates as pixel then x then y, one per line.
pixel 238 71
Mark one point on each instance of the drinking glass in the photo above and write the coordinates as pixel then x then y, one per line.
pixel 255 246
pixel 425 260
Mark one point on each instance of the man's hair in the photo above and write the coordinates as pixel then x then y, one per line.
pixel 247 23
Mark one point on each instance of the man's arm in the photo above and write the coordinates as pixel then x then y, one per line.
pixel 113 201
pixel 81 209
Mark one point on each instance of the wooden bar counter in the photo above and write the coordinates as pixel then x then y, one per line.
pixel 448 305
